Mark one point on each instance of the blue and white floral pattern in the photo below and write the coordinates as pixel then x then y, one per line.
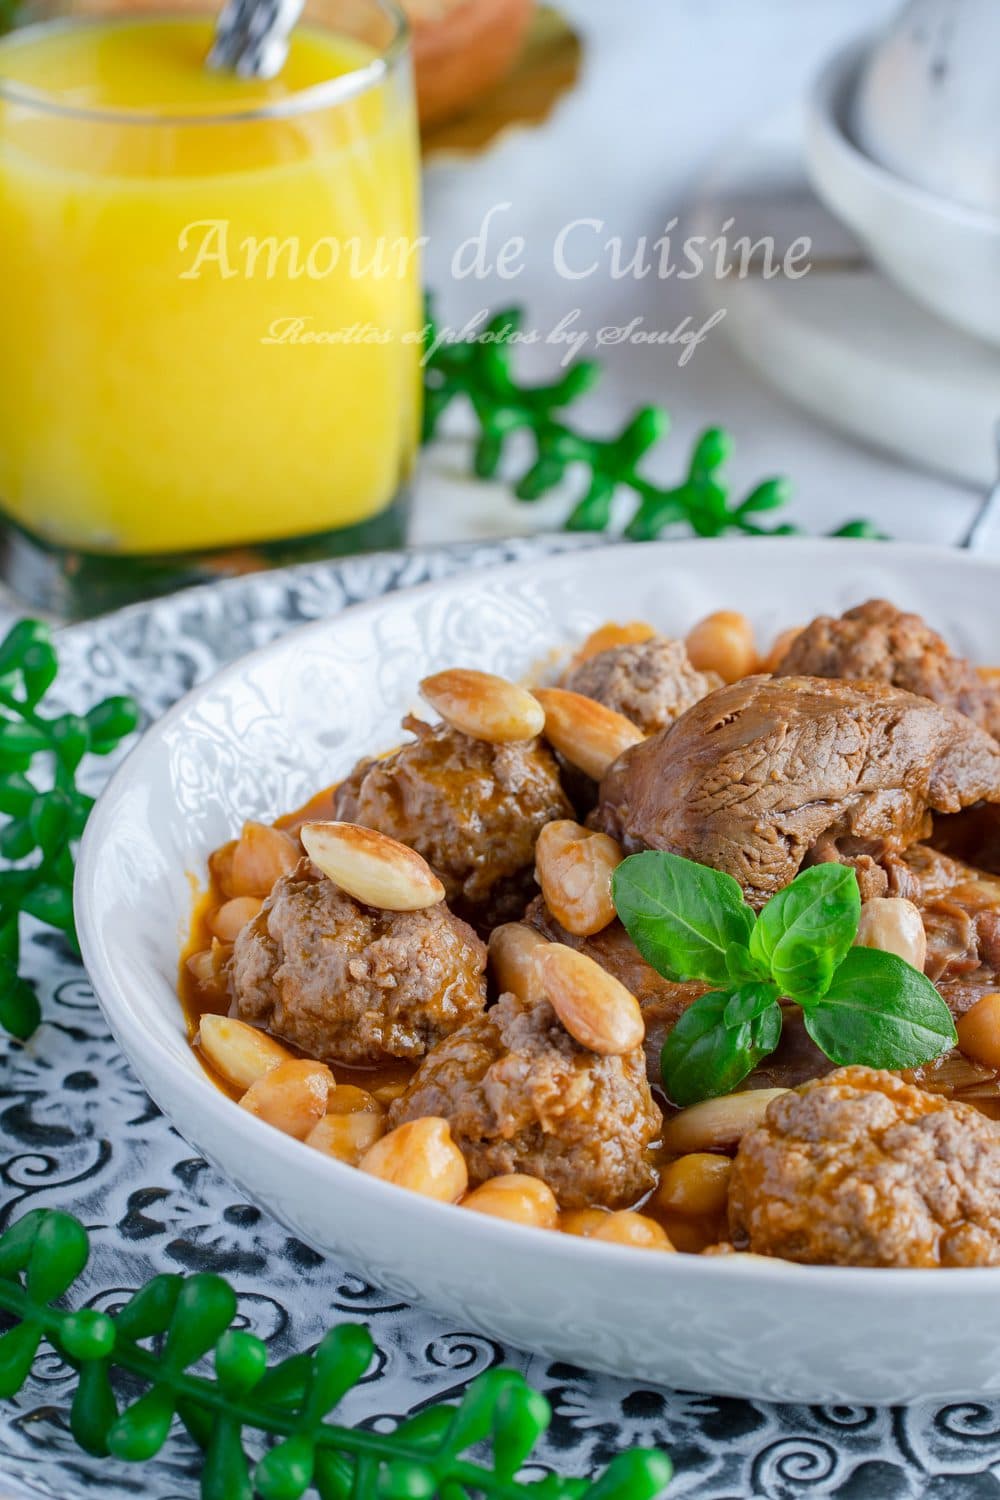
pixel 77 1132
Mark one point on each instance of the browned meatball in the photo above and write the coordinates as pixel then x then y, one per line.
pixel 862 1169
pixel 521 1095
pixel 473 810
pixel 651 682
pixel 878 642
pixel 348 983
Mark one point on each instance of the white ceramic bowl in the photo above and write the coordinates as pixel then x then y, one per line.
pixel 267 731
pixel 945 255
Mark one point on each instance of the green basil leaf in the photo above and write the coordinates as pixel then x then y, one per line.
pixel 881 1013
pixel 804 932
pixel 17 839
pixel 50 818
pixel 749 1002
pixel 71 739
pixel 683 917
pixel 50 903
pixel 16 793
pixel 703 1057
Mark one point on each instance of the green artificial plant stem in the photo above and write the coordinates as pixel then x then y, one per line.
pixel 479 370
pixel 45 814
pixel 173 1322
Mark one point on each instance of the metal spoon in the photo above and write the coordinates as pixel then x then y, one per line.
pixel 252 37
pixel 984 533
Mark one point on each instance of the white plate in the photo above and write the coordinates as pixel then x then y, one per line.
pixel 264 733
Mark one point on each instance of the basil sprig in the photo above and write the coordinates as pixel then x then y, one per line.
pixel 859 1005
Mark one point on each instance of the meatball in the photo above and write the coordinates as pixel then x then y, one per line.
pixel 473 810
pixel 878 642
pixel 651 682
pixel 862 1169
pixel 521 1095
pixel 351 984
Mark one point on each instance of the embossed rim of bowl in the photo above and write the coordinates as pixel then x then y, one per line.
pixel 827 104
pixel 880 1304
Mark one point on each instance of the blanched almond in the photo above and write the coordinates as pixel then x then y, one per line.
pixel 574 868
pixel 514 949
pixel 421 1156
pixel 607 637
pixel 239 1053
pixel 594 1007
pixel 371 867
pixel 232 916
pixel 347 1136
pixel 628 1228
pixel 717 1124
pixel 484 706
pixel 292 1097
pixel 518 1197
pixel 586 733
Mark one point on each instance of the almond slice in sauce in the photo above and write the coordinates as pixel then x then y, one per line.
pixel 584 732
pixel 371 867
pixel 483 706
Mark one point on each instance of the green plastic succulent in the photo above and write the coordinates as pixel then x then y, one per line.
pixel 479 369
pixel 174 1323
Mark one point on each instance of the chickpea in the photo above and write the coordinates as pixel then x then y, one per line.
pixel 723 642
pixel 895 925
pixel 232 916
pixel 209 967
pixel 979 1031
pixel 421 1156
pixel 582 1221
pixel 607 637
pixel 574 867
pixel 696 1184
pixel 628 1228
pixel 346 1099
pixel 261 855
pixel 518 1197
pixel 691 1235
pixel 292 1096
pixel 782 645
pixel 347 1136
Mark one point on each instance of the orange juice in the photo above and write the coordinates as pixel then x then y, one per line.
pixel 209 287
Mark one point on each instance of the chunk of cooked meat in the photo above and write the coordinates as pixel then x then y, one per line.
pixel 663 1001
pixel 351 984
pixel 650 682
pixel 520 1095
pixel 473 810
pixel 961 911
pixel 879 643
pixel 772 773
pixel 862 1169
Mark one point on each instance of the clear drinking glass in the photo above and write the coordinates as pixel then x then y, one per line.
pixel 210 309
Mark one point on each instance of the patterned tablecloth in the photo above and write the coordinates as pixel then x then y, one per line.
pixel 77 1132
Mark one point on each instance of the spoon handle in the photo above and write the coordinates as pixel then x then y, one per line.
pixel 251 37
pixel 984 533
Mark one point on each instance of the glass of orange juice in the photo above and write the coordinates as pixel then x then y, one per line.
pixel 210 311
